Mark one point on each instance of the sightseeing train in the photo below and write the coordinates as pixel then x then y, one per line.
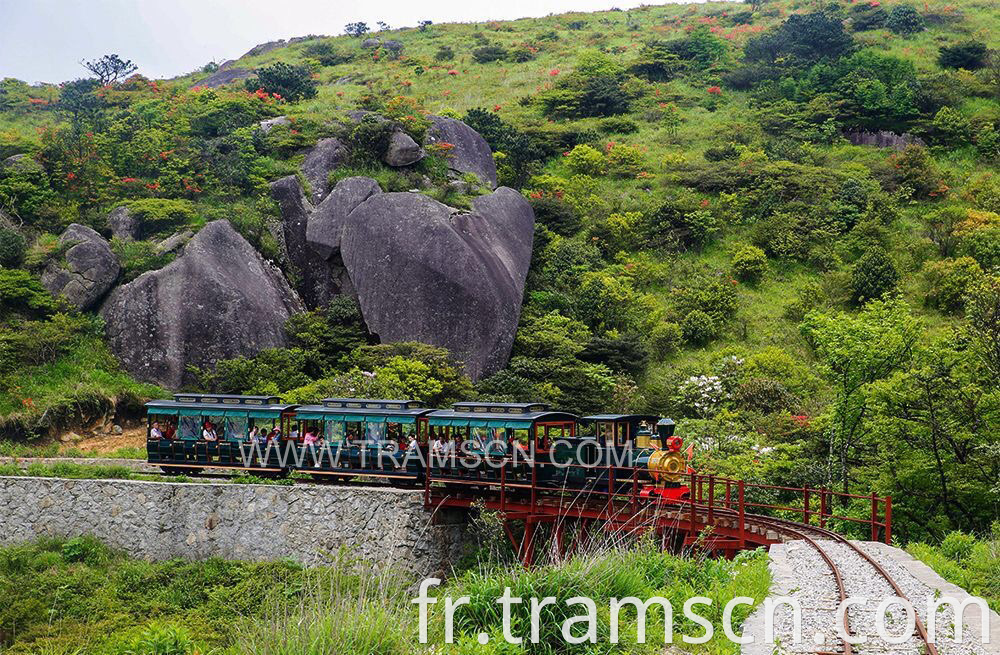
pixel 521 445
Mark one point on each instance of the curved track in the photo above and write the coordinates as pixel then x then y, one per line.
pixel 800 530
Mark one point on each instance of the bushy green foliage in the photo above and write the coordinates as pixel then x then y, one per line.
pixel 291 83
pixel 698 327
pixel 489 53
pixel 586 160
pixel 873 276
pixel 970 563
pixel 556 215
pixel 22 293
pixel 803 37
pixel 948 281
pixel 749 264
pixel 905 20
pixel 137 257
pixel 12 246
pixel 970 55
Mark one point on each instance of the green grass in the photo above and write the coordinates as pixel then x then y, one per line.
pixel 78 596
pixel 967 562
pixel 85 382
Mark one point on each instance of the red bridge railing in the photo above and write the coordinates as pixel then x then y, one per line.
pixel 718 502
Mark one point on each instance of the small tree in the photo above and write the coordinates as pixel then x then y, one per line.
pixel 382 27
pixel 110 69
pixel 12 246
pixel 749 264
pixel 904 19
pixel 79 97
pixel 971 55
pixel 356 29
pixel 424 24
pixel 290 82
pixel 873 276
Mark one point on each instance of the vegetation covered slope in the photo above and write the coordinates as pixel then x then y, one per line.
pixel 710 244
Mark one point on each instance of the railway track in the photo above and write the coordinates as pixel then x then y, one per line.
pixel 818 538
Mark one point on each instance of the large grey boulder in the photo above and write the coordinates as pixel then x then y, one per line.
pixel 402 150
pixel 218 300
pixel 423 272
pixel 123 224
pixel 470 152
pixel 315 280
pixel 85 271
pixel 326 224
pixel 320 161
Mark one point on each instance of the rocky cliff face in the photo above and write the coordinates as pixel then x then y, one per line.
pixel 219 300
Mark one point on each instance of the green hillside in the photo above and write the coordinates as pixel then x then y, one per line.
pixel 710 244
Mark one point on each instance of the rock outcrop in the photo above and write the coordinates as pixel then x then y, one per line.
pixel 469 153
pixel 326 225
pixel 320 161
pixel 883 139
pixel 85 271
pixel 316 280
pixel 269 124
pixel 402 150
pixel 123 224
pixel 226 74
pixel 219 300
pixel 423 272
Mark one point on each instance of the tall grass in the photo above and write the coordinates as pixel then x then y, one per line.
pixel 973 564
pixel 352 613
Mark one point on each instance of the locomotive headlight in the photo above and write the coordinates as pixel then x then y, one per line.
pixel 666 466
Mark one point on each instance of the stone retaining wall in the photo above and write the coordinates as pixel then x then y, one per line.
pixel 160 520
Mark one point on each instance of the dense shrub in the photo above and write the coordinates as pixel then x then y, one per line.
pixel 557 215
pixel 490 53
pixel 665 339
pixel 749 264
pixel 292 83
pixel 586 160
pixel 444 53
pixel 326 54
pixel 137 257
pixel 867 16
pixel 905 20
pixel 803 37
pixel 157 216
pixel 915 168
pixel 698 327
pixel 12 246
pixel 618 125
pixel 873 275
pixel 948 281
pixel 624 354
pixel 625 160
pixel 604 96
pixel 21 292
pixel 983 245
pixel 970 55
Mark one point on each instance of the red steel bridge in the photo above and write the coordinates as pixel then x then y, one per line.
pixel 719 515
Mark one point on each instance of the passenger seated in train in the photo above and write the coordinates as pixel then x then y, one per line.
pixel 253 435
pixel 154 431
pixel 208 432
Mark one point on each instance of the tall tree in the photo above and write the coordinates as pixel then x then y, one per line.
pixel 855 350
pixel 110 69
